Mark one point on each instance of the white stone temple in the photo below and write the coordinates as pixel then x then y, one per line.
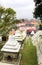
pixel 32 33
pixel 11 50
pixel 20 36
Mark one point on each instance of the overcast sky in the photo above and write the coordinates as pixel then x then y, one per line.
pixel 23 8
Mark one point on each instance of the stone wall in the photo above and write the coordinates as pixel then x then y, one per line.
pixel 35 37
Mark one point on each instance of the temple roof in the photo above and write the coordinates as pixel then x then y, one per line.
pixel 11 46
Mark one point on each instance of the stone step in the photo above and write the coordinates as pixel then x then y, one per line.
pixel 5 63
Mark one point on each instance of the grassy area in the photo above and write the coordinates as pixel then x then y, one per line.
pixel 29 56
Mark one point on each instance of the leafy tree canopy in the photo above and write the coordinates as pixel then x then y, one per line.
pixel 37 1
pixel 38 9
pixel 1 11
pixel 38 12
pixel 7 17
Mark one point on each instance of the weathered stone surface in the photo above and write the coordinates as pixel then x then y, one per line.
pixel 37 42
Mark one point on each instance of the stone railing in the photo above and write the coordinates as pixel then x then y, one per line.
pixel 35 37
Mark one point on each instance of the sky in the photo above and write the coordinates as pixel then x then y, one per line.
pixel 24 8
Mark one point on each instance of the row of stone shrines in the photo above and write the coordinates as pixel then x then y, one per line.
pixel 11 49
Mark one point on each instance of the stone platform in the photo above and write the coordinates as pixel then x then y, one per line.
pixel 13 62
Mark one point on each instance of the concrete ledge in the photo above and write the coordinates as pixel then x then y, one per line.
pixel 5 63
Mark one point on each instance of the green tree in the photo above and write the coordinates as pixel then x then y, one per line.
pixel 38 10
pixel 17 21
pixel 7 17
pixel 1 12
pixel 37 2
pixel 1 17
